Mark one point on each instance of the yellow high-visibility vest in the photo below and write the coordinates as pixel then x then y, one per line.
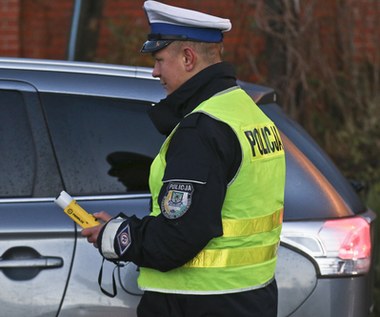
pixel 244 258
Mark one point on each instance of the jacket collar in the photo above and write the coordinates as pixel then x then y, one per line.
pixel 169 111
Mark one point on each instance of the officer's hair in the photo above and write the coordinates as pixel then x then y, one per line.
pixel 210 52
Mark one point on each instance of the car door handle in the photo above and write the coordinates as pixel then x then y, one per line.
pixel 24 263
pixel 42 262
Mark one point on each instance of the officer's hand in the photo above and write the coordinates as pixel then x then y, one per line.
pixel 92 233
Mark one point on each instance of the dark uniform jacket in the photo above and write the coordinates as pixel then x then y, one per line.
pixel 201 149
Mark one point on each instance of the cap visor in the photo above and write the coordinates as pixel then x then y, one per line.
pixel 154 45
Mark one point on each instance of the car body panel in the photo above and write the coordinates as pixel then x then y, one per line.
pixel 84 275
pixel 35 261
pixel 299 278
pixel 309 155
pixel 329 299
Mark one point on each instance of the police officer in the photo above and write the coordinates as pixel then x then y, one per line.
pixel 209 246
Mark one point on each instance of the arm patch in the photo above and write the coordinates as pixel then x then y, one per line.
pixel 177 199
pixel 124 240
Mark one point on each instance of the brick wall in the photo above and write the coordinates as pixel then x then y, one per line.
pixel 366 35
pixel 355 23
pixel 9 28
pixel 45 28
pixel 123 29
pixel 35 28
pixel 41 28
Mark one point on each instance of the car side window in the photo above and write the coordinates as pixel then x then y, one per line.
pixel 17 152
pixel 103 145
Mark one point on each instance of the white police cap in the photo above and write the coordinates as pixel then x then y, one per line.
pixel 169 23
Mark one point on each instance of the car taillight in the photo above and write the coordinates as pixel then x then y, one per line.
pixel 339 247
pixel 347 244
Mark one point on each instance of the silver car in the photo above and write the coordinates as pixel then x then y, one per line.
pixel 83 128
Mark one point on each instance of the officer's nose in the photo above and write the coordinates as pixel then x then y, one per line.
pixel 155 72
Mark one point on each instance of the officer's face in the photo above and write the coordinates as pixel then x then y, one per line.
pixel 170 67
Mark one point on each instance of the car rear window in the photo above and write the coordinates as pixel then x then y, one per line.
pixel 103 145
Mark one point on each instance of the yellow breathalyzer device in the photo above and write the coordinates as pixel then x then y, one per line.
pixel 75 212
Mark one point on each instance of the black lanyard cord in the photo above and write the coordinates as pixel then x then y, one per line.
pixel 100 279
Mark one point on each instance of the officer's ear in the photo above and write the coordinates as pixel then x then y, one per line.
pixel 189 58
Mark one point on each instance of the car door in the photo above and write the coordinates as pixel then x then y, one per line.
pixel 104 147
pixel 37 240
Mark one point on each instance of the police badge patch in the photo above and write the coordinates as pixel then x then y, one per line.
pixel 177 200
pixel 124 239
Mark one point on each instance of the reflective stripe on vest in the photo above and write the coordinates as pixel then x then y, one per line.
pixel 244 257
pixel 233 257
pixel 246 227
